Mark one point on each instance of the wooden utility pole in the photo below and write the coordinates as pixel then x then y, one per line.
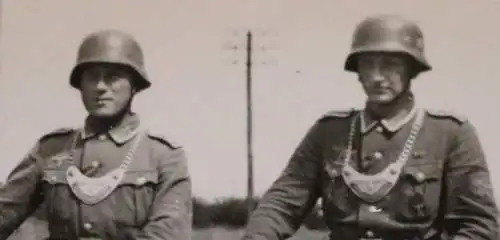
pixel 249 62
pixel 250 190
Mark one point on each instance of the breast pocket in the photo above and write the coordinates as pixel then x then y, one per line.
pixel 138 188
pixel 57 194
pixel 419 192
pixel 337 199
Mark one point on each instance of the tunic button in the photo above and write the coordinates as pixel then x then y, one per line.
pixel 377 155
pixel 420 177
pixel 374 209
pixel 369 234
pixel 87 226
pixel 102 137
pixel 95 164
pixel 379 129
pixel 141 180
pixel 334 173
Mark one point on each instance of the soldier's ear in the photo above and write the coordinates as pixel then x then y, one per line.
pixel 413 70
pixel 133 84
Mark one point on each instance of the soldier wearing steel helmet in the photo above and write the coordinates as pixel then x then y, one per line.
pixel 112 178
pixel 392 170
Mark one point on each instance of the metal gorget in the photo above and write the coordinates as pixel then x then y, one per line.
pixel 372 188
pixel 92 190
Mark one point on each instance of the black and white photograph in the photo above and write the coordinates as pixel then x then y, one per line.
pixel 250 120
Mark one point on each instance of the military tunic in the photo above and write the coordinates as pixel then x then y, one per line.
pixel 443 190
pixel 151 201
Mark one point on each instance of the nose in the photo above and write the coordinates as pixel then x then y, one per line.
pixel 377 75
pixel 100 82
pixel 101 85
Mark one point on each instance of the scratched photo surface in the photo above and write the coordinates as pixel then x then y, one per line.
pixel 195 55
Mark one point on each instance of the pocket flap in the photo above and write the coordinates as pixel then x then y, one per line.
pixel 136 177
pixel 53 176
pixel 140 177
pixel 333 169
pixel 422 172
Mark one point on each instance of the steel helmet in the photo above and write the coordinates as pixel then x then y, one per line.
pixel 388 33
pixel 114 47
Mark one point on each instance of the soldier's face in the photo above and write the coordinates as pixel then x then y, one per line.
pixel 106 90
pixel 383 75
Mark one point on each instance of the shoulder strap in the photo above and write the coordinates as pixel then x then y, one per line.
pixel 338 114
pixel 163 139
pixel 437 113
pixel 57 132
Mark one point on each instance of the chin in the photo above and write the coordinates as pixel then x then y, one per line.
pixel 103 113
pixel 381 99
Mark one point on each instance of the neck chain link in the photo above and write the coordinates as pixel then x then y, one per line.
pixel 372 188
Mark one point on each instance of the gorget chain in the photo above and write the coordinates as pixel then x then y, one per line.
pixel 372 188
pixel 92 190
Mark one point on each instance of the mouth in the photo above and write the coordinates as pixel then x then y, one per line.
pixel 102 101
pixel 379 90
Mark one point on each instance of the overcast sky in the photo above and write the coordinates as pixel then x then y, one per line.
pixel 198 97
